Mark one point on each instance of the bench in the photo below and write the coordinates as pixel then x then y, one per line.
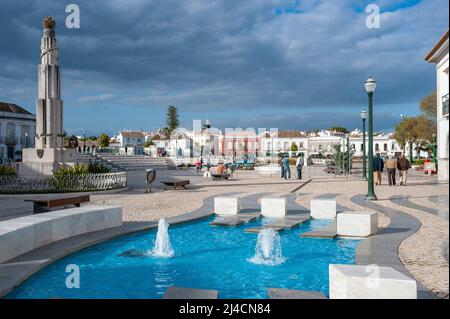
pixel 176 184
pixel 220 177
pixel 46 205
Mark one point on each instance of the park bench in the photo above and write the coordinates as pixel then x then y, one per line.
pixel 176 184
pixel 220 177
pixel 46 205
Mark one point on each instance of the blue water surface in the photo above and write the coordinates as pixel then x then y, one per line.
pixel 206 257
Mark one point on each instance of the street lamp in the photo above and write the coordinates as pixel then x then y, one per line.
pixel 348 154
pixel 435 152
pixel 363 117
pixel 370 86
pixel 26 139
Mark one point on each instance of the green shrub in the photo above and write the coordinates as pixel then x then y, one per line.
pixel 418 162
pixel 97 168
pixel 81 169
pixel 7 170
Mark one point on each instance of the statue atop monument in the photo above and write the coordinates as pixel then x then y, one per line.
pixel 49 23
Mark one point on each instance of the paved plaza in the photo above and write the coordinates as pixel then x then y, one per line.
pixel 421 236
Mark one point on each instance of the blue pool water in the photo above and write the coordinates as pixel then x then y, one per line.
pixel 206 257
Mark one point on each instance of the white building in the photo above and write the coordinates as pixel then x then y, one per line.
pixel 131 143
pixel 439 56
pixel 17 131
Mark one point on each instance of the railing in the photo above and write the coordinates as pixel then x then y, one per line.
pixel 65 184
pixel 10 140
pixel 445 105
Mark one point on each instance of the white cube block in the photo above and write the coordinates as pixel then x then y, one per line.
pixel 357 223
pixel 323 208
pixel 370 282
pixel 273 207
pixel 227 205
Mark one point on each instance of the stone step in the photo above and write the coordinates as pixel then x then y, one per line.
pixel 279 293
pixel 189 293
pixel 256 230
pixel 323 232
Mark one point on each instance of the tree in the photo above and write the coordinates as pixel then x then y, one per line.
pixel 148 143
pixel 415 130
pixel 428 106
pixel 103 140
pixel 339 129
pixel 340 159
pixel 172 121
pixel 294 147
pixel 71 142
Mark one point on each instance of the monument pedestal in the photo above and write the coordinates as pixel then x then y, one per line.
pixel 44 161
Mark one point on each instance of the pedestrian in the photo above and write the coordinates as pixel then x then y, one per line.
pixel 285 165
pixel 391 166
pixel 283 172
pixel 299 166
pixel 403 166
pixel 378 167
pixel 198 166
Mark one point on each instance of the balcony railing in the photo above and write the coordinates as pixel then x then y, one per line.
pixel 445 105
pixel 26 142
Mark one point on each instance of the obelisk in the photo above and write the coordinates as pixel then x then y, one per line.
pixel 49 153
pixel 49 107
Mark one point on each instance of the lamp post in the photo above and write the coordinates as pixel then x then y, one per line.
pixel 363 117
pixel 370 86
pixel 435 152
pixel 348 154
pixel 26 139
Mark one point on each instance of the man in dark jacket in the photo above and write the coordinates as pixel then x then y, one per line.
pixel 403 166
pixel 378 166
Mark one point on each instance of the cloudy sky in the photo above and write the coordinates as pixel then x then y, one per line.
pixel 288 64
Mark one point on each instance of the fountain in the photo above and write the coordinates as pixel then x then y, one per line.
pixel 268 248
pixel 162 247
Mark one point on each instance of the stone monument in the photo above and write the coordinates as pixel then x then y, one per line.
pixel 49 153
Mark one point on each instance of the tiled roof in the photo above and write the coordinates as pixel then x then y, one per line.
pixel 290 134
pixel 132 134
pixel 13 108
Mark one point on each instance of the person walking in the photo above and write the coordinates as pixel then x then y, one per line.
pixel 391 166
pixel 403 166
pixel 299 166
pixel 378 167
pixel 285 167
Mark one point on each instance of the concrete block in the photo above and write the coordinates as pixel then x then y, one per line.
pixel 9 244
pixel 227 205
pixel 25 235
pixel 273 207
pixel 323 208
pixel 42 229
pixel 357 223
pixel 370 282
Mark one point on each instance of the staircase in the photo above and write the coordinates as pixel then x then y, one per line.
pixel 137 162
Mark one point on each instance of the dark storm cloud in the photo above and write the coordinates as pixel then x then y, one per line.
pixel 240 55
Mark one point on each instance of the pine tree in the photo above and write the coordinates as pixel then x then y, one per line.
pixel 172 119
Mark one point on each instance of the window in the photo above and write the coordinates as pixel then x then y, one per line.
pixel 385 147
pixel 361 148
pixel 377 147
pixel 320 147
